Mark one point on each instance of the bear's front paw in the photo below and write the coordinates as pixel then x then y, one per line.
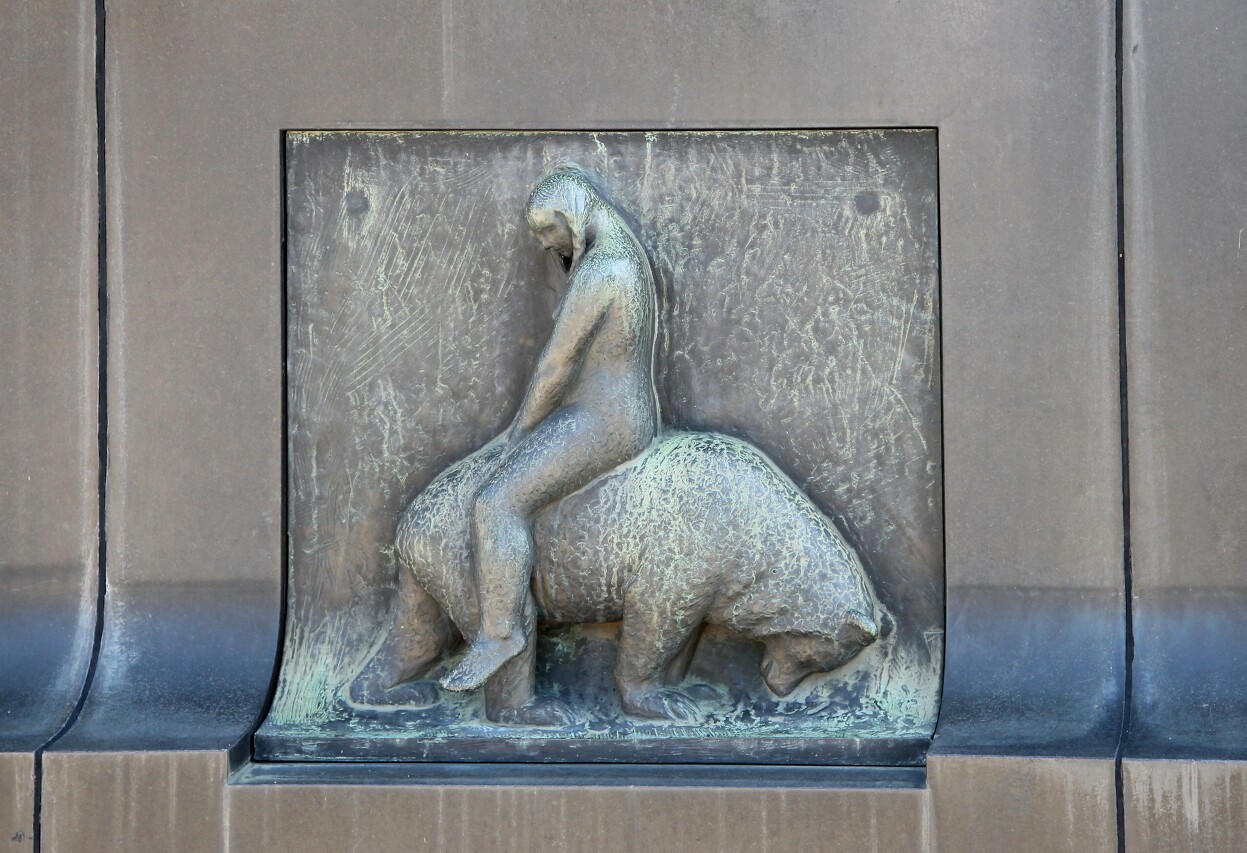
pixel 367 690
pixel 660 704
pixel 535 712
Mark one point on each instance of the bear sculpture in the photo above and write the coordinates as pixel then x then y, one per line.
pixel 700 528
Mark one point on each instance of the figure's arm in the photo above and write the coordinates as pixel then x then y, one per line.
pixel 579 317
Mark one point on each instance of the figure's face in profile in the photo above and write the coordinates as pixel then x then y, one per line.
pixel 552 231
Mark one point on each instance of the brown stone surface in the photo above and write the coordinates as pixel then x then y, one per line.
pixel 1040 805
pixel 48 398
pixel 1186 262
pixel 1174 806
pixel 1021 94
pixel 468 819
pixel 136 801
pixel 1185 172
pixel 48 328
pixel 17 801
pixel 1184 776
pixel 162 801
pixel 48 370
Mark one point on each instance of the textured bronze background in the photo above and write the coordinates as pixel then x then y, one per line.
pixel 798 280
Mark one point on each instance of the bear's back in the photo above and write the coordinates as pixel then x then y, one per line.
pixel 697 503
pixel 706 506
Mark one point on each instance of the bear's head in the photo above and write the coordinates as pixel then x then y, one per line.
pixel 814 608
pixel 790 658
pixel 801 590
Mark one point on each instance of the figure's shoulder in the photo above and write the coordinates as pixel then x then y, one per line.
pixel 616 267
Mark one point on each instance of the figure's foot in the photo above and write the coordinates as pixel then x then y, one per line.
pixel 536 712
pixel 657 703
pixel 485 657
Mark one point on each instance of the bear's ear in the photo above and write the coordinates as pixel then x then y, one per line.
pixel 861 628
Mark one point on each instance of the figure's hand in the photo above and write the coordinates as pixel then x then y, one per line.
pixel 515 434
pixel 511 439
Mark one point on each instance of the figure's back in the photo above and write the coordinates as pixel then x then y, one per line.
pixel 617 372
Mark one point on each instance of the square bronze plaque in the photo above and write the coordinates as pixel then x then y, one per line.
pixel 797 276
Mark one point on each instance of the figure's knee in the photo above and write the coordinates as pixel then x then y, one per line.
pixel 490 506
pixel 495 518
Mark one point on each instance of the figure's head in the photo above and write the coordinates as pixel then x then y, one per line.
pixel 791 658
pixel 559 207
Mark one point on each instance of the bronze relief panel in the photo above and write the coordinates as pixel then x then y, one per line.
pixel 612 446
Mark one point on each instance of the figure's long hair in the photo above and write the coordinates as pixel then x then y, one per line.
pixel 568 191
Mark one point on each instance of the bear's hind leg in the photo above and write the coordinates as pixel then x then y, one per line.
pixel 417 637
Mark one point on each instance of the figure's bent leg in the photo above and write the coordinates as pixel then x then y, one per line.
pixel 503 547
pixel 557 458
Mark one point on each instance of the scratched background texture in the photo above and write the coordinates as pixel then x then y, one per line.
pixel 798 277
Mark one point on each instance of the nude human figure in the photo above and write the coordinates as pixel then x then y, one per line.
pixel 590 406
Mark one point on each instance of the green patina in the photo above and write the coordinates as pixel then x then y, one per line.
pixel 798 273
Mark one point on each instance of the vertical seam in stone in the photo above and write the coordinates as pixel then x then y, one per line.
pixel 1127 566
pixel 101 416
pixel 939 368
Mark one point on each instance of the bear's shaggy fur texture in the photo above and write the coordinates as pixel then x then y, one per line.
pixel 700 528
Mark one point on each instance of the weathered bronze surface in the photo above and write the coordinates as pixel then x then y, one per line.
pixel 797 323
